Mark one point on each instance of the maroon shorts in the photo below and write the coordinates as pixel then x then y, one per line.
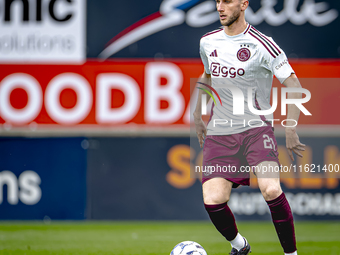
pixel 232 156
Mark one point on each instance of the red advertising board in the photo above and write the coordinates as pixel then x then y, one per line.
pixel 135 92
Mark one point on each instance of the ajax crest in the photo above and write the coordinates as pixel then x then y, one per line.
pixel 243 54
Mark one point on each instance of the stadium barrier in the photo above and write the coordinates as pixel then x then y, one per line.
pixel 124 178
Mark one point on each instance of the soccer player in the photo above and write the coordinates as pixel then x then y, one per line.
pixel 240 55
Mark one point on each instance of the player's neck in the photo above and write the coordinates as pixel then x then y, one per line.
pixel 236 28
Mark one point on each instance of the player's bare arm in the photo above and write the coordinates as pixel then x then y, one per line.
pixel 200 126
pixel 293 143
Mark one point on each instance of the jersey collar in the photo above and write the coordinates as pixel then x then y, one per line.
pixel 241 34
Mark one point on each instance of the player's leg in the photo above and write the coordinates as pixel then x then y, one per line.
pixel 216 194
pixel 261 149
pixel 222 152
pixel 269 184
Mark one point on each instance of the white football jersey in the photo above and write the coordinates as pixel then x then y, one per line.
pixel 245 62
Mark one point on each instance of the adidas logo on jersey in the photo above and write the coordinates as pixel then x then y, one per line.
pixel 214 54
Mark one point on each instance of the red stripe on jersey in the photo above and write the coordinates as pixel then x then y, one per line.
pixel 247 29
pixel 262 43
pixel 265 37
pixel 219 30
pixel 264 40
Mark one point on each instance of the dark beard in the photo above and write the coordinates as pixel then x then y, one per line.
pixel 232 19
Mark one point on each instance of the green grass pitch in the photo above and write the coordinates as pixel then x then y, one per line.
pixel 156 237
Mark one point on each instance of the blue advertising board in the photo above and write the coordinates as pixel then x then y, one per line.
pixel 42 178
pixel 147 178
pixel 129 179
pixel 173 28
pixel 152 178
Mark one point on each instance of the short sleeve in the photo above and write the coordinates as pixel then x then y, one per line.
pixel 277 62
pixel 204 59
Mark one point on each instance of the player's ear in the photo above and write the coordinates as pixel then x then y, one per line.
pixel 244 4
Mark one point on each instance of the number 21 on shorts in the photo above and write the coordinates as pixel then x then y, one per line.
pixel 268 142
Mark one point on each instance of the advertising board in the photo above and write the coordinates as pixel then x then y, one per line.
pixel 42 31
pixel 42 178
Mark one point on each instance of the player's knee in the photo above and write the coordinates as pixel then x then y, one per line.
pixel 215 199
pixel 271 192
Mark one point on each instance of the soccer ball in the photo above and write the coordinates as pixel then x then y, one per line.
pixel 188 248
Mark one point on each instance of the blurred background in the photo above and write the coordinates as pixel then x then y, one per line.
pixel 95 116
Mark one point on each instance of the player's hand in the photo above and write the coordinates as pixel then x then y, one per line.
pixel 293 143
pixel 201 130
